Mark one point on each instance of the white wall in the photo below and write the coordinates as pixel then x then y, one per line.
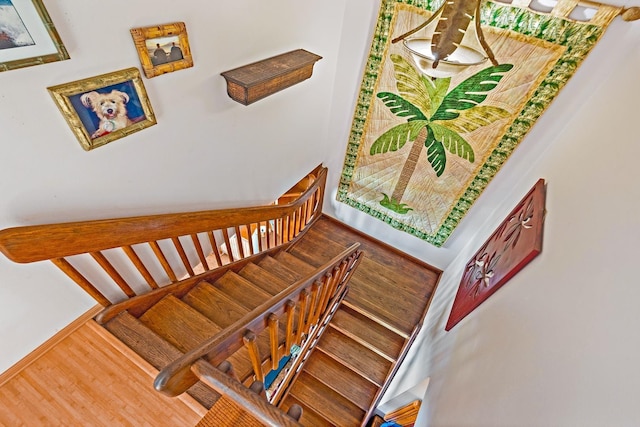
pixel 206 151
pixel 558 345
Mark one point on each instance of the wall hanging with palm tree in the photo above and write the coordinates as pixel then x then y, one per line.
pixel 423 148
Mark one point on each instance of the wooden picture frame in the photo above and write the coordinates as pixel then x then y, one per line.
pixel 27 35
pixel 104 108
pixel 516 242
pixel 162 48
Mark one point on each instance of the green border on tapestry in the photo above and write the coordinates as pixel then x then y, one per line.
pixel 578 37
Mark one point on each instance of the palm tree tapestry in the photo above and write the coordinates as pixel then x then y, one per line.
pixel 422 149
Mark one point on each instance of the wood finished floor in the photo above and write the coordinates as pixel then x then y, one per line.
pixel 86 381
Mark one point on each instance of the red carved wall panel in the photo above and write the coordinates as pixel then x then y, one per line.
pixel 513 245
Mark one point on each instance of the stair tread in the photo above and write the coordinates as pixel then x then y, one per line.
pixel 370 332
pixel 178 323
pixel 242 290
pixel 215 304
pixel 309 417
pixel 326 402
pixel 279 269
pixel 316 249
pixel 417 271
pixel 341 379
pixel 263 278
pixel 223 310
pixel 155 350
pixel 355 356
pixel 390 307
pixel 296 263
pixel 387 277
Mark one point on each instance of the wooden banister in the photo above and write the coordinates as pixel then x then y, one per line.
pixel 44 242
pixel 163 249
pixel 177 377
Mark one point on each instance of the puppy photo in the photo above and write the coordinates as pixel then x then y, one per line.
pixel 110 109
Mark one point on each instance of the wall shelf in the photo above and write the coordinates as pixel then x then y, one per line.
pixel 258 80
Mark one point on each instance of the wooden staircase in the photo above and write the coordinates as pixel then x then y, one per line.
pixel 217 328
pixel 370 332
pixel 174 326
pixel 355 357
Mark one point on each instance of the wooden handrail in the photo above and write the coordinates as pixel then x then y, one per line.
pixel 49 241
pixel 177 377
pixel 168 248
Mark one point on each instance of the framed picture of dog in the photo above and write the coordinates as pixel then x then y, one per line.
pixel 162 48
pixel 104 108
pixel 27 35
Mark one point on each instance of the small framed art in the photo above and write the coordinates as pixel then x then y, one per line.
pixel 27 35
pixel 104 108
pixel 162 48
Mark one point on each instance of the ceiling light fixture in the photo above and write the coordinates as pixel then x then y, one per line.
pixel 445 52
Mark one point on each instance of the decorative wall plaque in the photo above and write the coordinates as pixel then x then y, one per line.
pixel 513 245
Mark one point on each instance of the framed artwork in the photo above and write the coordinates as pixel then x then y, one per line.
pixel 422 149
pixel 104 108
pixel 513 245
pixel 27 35
pixel 163 48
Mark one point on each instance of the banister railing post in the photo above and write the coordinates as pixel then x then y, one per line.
pixel 273 339
pixel 254 354
pixel 255 405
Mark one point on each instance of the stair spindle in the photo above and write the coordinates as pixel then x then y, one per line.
pixel 113 273
pixel 252 250
pixel 337 278
pixel 163 261
pixel 290 310
pixel 304 297
pixel 227 242
pixel 317 309
pixel 254 354
pixel 324 297
pixel 267 235
pixel 273 336
pixel 214 248
pixel 183 255
pixel 311 319
pixel 303 216
pixel 135 259
pixel 75 275
pixel 200 251
pixel 239 242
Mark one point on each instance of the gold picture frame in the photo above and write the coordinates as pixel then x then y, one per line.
pixel 104 108
pixel 162 48
pixel 27 35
